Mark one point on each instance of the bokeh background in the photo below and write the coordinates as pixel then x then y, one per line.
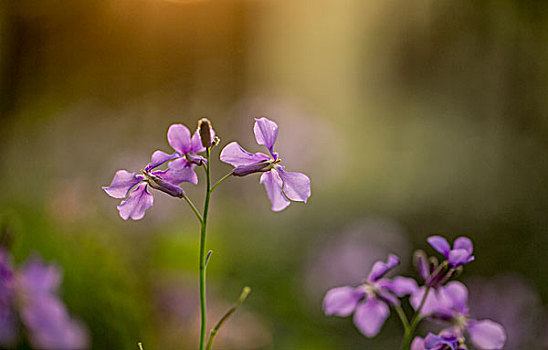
pixel 412 118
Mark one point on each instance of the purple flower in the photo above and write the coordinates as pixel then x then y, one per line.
pixel 461 253
pixel 134 187
pixel 370 301
pixel 186 147
pixel 32 295
pixel 281 186
pixel 446 340
pixel 450 303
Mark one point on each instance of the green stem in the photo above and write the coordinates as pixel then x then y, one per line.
pixel 203 255
pixel 402 316
pixel 193 207
pixel 409 331
pixel 227 314
pixel 221 181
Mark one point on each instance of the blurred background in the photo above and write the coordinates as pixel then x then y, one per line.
pixel 412 118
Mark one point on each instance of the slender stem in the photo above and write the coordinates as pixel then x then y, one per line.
pixel 221 181
pixel 140 345
pixel 193 207
pixel 227 314
pixel 203 255
pixel 409 331
pixel 402 316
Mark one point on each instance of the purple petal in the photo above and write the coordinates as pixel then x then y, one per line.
pixel 464 243
pixel 296 185
pixel 235 155
pixel 436 342
pixel 433 304
pixel 273 186
pixel 455 296
pixel 401 286
pixel 387 297
pixel 121 184
pixel 486 334
pixel 178 137
pixel 381 268
pixel 50 326
pixel 341 301
pixel 440 244
pixel 458 257
pixel 418 344
pixel 39 277
pixel 176 177
pixel 8 327
pixel 138 202
pixel 159 158
pixel 266 133
pixel 370 316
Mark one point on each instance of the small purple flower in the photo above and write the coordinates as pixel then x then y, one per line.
pixel 281 186
pixel 186 147
pixel 44 315
pixel 134 187
pixel 446 340
pixel 370 301
pixel 450 303
pixel 31 294
pixel 461 253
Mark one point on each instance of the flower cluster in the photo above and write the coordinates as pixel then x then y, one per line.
pixel 28 297
pixel 134 187
pixel 438 298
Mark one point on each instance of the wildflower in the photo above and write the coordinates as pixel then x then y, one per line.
pixel 186 147
pixel 134 187
pixel 281 186
pixel 449 303
pixel 461 253
pixel 370 301
pixel 33 297
pixel 446 340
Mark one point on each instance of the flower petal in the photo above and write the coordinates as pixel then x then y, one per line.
pixel 440 244
pixel 273 186
pixel 179 175
pixel 418 344
pixel 122 182
pixel 341 301
pixel 400 286
pixel 296 186
pixel 159 158
pixel 40 277
pixel 433 304
pixel 381 268
pixel 459 257
pixel 436 342
pixel 266 133
pixel 235 155
pixel 455 296
pixel 370 316
pixel 464 243
pixel 137 203
pixel 178 137
pixel 486 334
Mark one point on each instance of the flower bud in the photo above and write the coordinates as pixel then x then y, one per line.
pixel 160 184
pixel 420 261
pixel 244 170
pixel 204 129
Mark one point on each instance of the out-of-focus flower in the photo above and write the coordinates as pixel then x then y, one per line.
pixel 521 315
pixel 134 187
pixel 8 325
pixel 461 253
pixel 33 296
pixel 370 301
pixel 341 257
pixel 450 303
pixel 281 186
